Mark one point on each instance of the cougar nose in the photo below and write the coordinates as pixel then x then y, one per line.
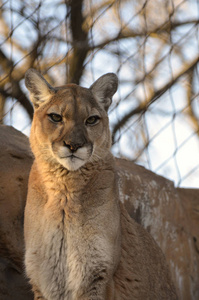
pixel 72 146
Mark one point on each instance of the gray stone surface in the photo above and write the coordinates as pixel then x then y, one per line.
pixel 15 163
pixel 171 216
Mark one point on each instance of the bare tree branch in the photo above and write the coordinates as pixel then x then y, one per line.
pixel 129 33
pixel 154 97
pixel 16 91
pixel 18 94
pixel 79 43
pixel 190 96
pixel 2 103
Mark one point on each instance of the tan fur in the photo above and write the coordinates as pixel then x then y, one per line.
pixel 79 243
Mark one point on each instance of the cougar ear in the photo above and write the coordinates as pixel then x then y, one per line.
pixel 40 90
pixel 104 88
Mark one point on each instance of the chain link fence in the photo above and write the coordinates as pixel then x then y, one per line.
pixel 153 47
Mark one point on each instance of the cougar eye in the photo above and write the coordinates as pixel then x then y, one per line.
pixel 92 120
pixel 55 117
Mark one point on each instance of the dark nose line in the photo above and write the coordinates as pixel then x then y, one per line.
pixel 72 146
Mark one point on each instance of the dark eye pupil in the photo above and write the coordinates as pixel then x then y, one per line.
pixel 55 117
pixel 92 120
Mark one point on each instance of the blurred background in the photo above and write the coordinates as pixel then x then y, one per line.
pixel 153 47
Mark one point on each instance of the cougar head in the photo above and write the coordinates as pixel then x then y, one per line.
pixel 70 124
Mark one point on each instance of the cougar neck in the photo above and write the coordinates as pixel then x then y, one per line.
pixel 56 177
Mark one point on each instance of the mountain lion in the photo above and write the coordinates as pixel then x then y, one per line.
pixel 80 243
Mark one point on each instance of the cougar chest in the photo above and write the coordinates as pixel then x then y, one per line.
pixel 71 247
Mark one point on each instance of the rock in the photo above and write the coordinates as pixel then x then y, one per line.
pixel 170 214
pixel 15 162
pixel 172 218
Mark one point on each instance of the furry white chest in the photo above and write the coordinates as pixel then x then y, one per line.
pixel 68 258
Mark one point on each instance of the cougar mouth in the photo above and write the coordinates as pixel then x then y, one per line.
pixel 72 157
pixel 73 160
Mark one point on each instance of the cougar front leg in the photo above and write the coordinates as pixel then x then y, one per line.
pixel 99 290
pixel 110 290
pixel 37 293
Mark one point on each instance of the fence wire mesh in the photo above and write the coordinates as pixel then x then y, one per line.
pixel 153 47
